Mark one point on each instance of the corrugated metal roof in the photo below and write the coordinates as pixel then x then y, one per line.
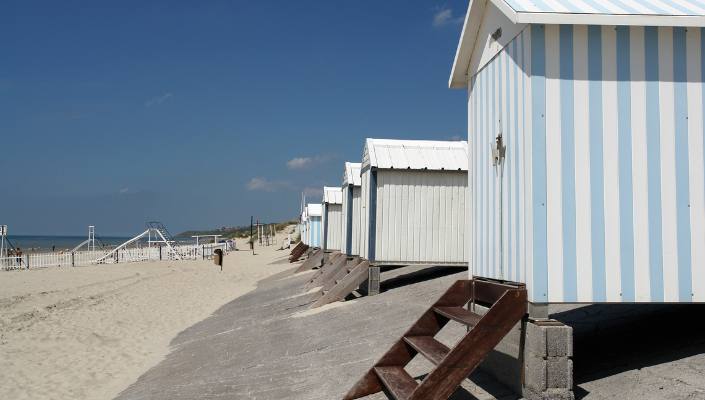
pixel 352 174
pixel 332 195
pixel 314 210
pixel 611 7
pixel 417 154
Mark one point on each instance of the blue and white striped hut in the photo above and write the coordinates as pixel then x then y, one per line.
pixel 601 192
pixel 314 230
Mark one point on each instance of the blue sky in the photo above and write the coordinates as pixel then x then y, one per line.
pixel 202 113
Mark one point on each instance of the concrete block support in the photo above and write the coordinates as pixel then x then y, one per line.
pixel 373 280
pixel 534 359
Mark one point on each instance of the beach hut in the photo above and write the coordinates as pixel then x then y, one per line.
pixel 351 209
pixel 314 213
pixel 302 226
pixel 595 193
pixel 332 214
pixel 413 207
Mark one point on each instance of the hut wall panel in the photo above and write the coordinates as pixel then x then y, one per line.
pixel 365 214
pixel 351 222
pixel 420 217
pixel 314 231
pixel 356 221
pixel 604 191
pixel 333 229
pixel 346 221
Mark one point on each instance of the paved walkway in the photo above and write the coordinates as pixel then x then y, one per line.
pixel 268 345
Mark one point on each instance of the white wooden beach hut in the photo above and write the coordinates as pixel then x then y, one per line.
pixel 303 224
pixel 332 214
pixel 351 209
pixel 314 235
pixel 601 194
pixel 413 207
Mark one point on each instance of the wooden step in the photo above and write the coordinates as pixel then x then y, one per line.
pixel 459 314
pixel 508 305
pixel 398 382
pixel 428 347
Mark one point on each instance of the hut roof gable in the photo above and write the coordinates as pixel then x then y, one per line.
pixel 314 210
pixel 416 154
pixel 685 13
pixel 351 175
pixel 332 195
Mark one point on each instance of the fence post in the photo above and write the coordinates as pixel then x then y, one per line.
pixel 203 252
pixel 27 256
pixel 73 260
pixel 160 252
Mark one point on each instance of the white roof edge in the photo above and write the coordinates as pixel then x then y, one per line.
pixel 611 19
pixel 349 177
pixel 372 146
pixel 314 209
pixel 459 72
pixel 332 195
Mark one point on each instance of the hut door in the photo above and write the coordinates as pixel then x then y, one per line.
pixel 498 152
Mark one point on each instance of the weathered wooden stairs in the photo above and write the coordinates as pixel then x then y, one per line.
pixel 338 278
pixel 297 252
pixel 507 304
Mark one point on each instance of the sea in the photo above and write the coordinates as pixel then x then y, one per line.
pixel 47 243
pixel 40 243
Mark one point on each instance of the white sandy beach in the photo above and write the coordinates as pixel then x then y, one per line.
pixel 89 332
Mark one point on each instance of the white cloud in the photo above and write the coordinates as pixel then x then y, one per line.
pixel 258 184
pixel 124 190
pixel 155 101
pixel 444 17
pixel 299 162
pixel 308 161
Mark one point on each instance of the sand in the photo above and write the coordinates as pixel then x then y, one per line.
pixel 89 332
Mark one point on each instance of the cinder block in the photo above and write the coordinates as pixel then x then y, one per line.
pixel 549 394
pixel 541 374
pixel 535 370
pixel 559 341
pixel 559 373
pixel 550 340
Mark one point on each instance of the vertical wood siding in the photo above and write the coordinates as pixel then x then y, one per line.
pixel 314 231
pixel 609 197
pixel 332 226
pixel 420 217
pixel 351 220
pixel 365 213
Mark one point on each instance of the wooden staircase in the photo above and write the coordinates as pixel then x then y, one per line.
pixel 314 260
pixel 348 278
pixel 336 265
pixel 507 304
pixel 297 252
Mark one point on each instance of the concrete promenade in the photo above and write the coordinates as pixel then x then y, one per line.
pixel 267 345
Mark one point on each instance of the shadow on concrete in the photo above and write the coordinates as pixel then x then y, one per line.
pixel 422 275
pixel 482 380
pixel 613 338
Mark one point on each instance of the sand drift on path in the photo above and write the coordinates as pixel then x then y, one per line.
pixel 89 332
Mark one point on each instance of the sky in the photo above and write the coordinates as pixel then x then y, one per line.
pixel 201 114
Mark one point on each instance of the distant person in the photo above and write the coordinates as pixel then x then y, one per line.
pixel 53 248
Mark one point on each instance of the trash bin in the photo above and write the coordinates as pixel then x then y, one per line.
pixel 218 257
